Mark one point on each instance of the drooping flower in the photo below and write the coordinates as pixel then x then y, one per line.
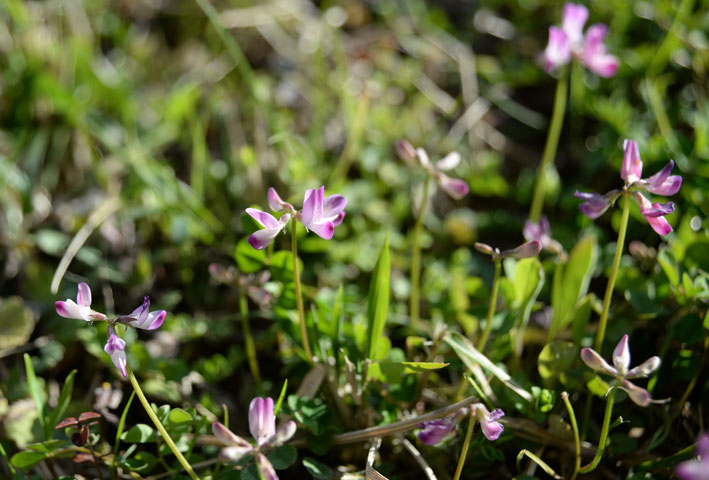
pixel 262 425
pixel 115 346
pixel 454 187
pixel 569 42
pixel 620 371
pixel 631 170
pixel 433 431
pixel 319 214
pixel 81 309
pixel 697 469
pixel 526 250
pixel 541 232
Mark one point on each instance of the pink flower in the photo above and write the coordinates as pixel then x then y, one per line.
pixel 492 429
pixel 569 42
pixel 621 362
pixel 116 348
pixel 541 232
pixel 697 469
pixel 320 215
pixel 262 425
pixel 433 431
pixel 81 309
pixel 631 170
pixel 454 187
pixel 142 318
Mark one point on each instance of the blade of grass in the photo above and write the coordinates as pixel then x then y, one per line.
pixel 63 403
pixel 378 305
pixel 36 393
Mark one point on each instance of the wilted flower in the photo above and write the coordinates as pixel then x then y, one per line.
pixel 433 431
pixel 569 41
pixel 454 187
pixel 697 469
pixel 526 250
pixel 621 362
pixel 262 425
pixel 115 346
pixel 662 183
pixel 541 232
pixel 319 214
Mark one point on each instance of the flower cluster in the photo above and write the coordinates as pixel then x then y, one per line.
pixel 115 346
pixel 621 362
pixel 662 183
pixel 569 42
pixel 320 214
pixel 432 432
pixel 262 425
pixel 454 187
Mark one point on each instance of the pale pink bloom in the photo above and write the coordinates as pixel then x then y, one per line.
pixel 595 54
pixel 321 215
pixel 433 431
pixel 262 425
pixel 621 371
pixel 272 227
pixel 81 309
pixel 116 348
pixel 573 18
pixel 492 429
pixel 143 318
pixel 454 187
pixel 697 469
pixel 541 232
pixel 558 51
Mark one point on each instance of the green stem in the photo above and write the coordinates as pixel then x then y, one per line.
pixel 604 435
pixel 299 297
pixel 466 445
pixel 248 338
pixel 158 425
pixel 575 429
pixel 614 272
pixel 416 259
pixel 552 142
pixel 492 307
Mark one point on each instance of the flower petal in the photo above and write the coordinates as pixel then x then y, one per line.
pixel 83 295
pixel 436 430
pixel 227 437
pixel 632 167
pixel 264 219
pixel 526 250
pixel 405 151
pixel 283 434
pixel 448 162
pixel 595 362
pixel 650 212
pixel 262 421
pixel 275 202
pixel 595 56
pixel 323 230
pixel 573 18
pixel 313 206
pixel 265 469
pixel 234 453
pixel 658 209
pixel 260 240
pixel 115 347
pixel 490 427
pixel 422 156
pixel 69 309
pixel 484 248
pixel 594 205
pixel 621 356
pixel 454 187
pixel 333 208
pixel 645 368
pixel 637 394
pixel 558 51
pixel 152 321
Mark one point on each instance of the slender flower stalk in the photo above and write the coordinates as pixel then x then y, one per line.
pixel 464 449
pixel 575 429
pixel 416 259
pixel 248 337
pixel 156 421
pixel 604 434
pixel 550 147
pixel 614 273
pixel 492 307
pixel 299 297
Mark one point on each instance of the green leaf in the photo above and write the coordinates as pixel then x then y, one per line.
pixel 597 386
pixel 378 305
pixel 178 415
pixel 36 393
pixel 393 372
pixel 64 400
pixel 140 433
pixel 28 459
pixel 582 315
pixel 16 323
pixel 283 456
pixel 317 470
pixel 282 266
pixel 248 259
pixel 122 421
pixel 571 283
pixel 669 266
pixel 555 359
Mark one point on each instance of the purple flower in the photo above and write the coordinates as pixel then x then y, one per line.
pixel 81 309
pixel 541 232
pixel 621 362
pixel 526 250
pixel 631 170
pixel 319 214
pixel 569 42
pixel 454 187
pixel 144 319
pixel 262 425
pixel 488 421
pixel 116 348
pixel 697 469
